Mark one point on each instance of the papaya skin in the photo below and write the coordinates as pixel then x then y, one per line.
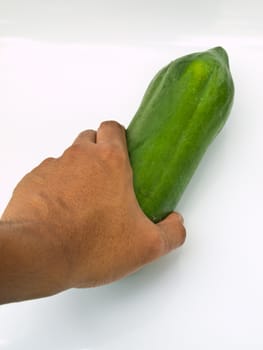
pixel 185 106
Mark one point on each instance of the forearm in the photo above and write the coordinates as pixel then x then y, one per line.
pixel 31 263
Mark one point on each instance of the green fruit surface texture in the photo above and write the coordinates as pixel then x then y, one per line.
pixel 183 109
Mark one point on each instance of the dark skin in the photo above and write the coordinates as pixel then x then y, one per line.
pixel 74 221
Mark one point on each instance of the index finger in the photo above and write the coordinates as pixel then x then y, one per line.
pixel 112 132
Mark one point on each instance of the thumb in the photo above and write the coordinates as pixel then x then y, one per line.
pixel 172 231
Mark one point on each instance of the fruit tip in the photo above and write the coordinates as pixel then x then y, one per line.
pixel 220 52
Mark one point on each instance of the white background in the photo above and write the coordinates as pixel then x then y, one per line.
pixel 67 65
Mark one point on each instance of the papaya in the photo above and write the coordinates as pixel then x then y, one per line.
pixel 183 109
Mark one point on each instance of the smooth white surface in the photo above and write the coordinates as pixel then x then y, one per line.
pixel 66 66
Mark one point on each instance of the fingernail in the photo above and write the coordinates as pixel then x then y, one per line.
pixel 181 218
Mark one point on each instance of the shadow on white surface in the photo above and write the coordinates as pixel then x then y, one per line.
pixel 90 318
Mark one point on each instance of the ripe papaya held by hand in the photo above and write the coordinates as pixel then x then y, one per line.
pixel 183 109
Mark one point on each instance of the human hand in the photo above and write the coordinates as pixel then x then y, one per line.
pixel 86 205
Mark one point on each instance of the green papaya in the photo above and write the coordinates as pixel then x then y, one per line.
pixel 183 109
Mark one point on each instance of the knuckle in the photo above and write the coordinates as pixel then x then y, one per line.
pixel 85 133
pixel 74 151
pixel 109 123
pixel 48 161
pixel 43 166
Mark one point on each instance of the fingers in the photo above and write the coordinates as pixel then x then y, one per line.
pixel 112 132
pixel 86 137
pixel 108 132
pixel 172 232
pixel 165 236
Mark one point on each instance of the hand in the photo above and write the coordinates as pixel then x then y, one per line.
pixel 85 203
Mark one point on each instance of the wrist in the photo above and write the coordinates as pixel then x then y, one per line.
pixel 32 261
